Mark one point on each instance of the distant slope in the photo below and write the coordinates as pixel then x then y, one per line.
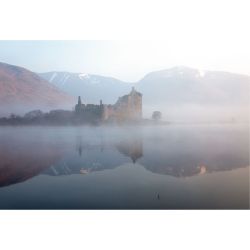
pixel 186 94
pixel 91 88
pixel 187 85
pixel 22 90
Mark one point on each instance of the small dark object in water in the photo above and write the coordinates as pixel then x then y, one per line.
pixel 158 196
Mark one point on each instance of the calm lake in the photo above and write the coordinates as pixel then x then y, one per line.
pixel 141 167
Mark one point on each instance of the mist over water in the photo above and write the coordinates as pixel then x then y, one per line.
pixel 129 167
pixel 193 113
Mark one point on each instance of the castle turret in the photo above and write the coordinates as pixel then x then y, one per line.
pixel 79 100
pixel 133 91
pixel 79 106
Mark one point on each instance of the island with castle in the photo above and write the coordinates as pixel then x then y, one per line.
pixel 127 109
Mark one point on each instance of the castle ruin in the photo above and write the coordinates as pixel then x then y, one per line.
pixel 127 108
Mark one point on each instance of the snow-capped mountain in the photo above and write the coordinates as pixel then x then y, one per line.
pixel 187 85
pixel 92 88
pixel 181 93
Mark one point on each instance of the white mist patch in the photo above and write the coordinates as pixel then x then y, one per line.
pixel 198 113
pixel 201 73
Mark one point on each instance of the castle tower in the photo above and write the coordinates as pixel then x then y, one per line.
pixel 133 90
pixel 79 100
pixel 135 104
pixel 79 106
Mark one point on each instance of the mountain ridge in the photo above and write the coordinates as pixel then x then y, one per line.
pixel 177 91
pixel 91 87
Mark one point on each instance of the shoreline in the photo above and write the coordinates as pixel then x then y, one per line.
pixel 135 124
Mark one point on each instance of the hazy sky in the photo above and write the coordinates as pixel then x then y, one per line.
pixel 129 60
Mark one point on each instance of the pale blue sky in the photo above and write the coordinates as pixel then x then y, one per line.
pixel 125 60
pixel 41 56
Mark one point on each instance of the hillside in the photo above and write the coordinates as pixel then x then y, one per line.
pixel 187 94
pixel 22 90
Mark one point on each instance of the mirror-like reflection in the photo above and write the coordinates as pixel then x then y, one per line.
pixel 150 156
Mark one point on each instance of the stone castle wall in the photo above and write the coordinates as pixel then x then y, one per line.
pixel 127 108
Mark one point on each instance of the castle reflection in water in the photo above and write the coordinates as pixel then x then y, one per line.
pixel 58 152
pixel 99 157
pixel 158 158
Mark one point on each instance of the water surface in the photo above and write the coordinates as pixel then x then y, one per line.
pixel 150 167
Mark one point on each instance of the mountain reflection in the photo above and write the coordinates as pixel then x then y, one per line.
pixel 24 156
pixel 22 160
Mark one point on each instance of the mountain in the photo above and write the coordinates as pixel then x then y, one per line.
pixel 187 85
pixel 92 88
pixel 180 93
pixel 189 94
pixel 22 90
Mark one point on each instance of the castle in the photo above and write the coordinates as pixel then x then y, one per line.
pixel 127 108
